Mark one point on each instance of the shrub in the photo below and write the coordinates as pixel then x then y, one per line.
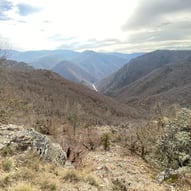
pixel 71 176
pixel 106 141
pixel 49 187
pixel 119 185
pixel 7 165
pixel 5 181
pixel 174 147
pixel 24 173
pixel 92 181
pixel 7 151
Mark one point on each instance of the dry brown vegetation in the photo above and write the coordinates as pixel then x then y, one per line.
pixel 72 115
pixel 140 67
pixel 157 77
pixel 163 142
pixel 168 85
pixel 65 111
pixel 28 173
pixel 45 99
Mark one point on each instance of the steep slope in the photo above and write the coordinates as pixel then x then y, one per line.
pixel 169 84
pixel 140 67
pixel 73 72
pixel 40 96
pixel 99 65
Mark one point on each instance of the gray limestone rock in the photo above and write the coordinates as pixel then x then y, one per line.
pixel 23 139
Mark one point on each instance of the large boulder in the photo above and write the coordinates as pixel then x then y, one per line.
pixel 22 139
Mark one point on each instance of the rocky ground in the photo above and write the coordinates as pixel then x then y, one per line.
pixel 100 170
pixel 116 172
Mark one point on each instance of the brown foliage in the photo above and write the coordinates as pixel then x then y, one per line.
pixel 38 95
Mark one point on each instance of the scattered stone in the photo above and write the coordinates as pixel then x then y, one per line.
pixel 169 173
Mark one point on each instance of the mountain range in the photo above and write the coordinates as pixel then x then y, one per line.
pixel 145 79
pixel 159 76
pixel 85 67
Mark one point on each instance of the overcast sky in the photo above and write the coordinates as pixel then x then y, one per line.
pixel 100 25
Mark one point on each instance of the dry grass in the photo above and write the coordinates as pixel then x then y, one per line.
pixel 29 173
pixel 22 186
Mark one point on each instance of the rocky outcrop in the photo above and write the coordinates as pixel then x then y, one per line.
pixel 22 139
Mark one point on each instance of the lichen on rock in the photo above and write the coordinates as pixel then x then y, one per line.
pixel 22 139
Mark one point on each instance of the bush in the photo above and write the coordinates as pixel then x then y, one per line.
pixel 92 181
pixel 7 165
pixel 7 151
pixel 174 147
pixel 49 187
pixel 119 185
pixel 5 181
pixel 72 176
pixel 106 141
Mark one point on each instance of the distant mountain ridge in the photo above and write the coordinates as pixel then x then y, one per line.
pixel 94 64
pixel 31 57
pixel 99 65
pixel 159 76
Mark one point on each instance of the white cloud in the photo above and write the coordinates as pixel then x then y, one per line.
pixel 82 19
pixel 133 25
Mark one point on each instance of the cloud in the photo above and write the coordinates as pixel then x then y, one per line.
pixel 151 24
pixel 60 37
pixel 22 9
pixel 159 24
pixel 80 45
pixel 93 44
pixel 26 9
pixel 5 6
pixel 149 12
pixel 47 21
pixel 170 31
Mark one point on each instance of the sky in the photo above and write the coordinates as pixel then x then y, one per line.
pixel 101 25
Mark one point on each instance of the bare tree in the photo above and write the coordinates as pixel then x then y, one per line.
pixel 74 115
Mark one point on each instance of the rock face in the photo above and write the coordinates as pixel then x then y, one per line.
pixel 22 139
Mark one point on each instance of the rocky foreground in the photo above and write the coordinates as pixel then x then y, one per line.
pixel 22 139
pixel 30 161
